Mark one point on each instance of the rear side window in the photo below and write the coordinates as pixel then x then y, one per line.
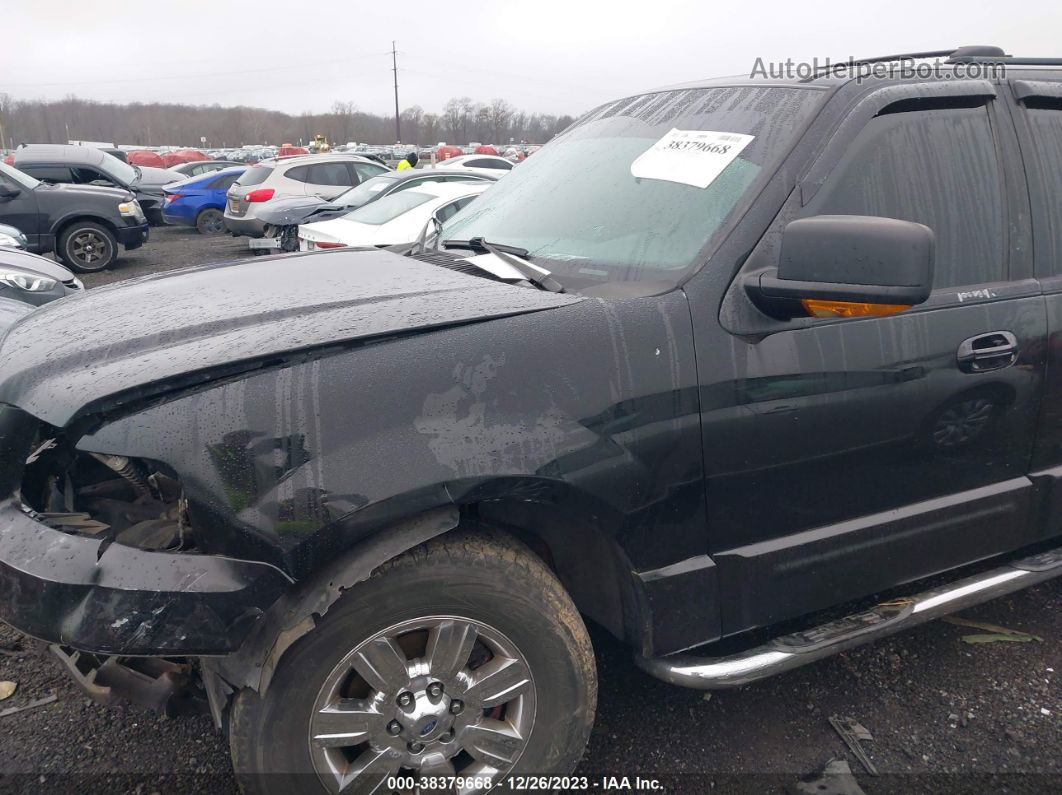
pixel 1045 127
pixel 223 183
pixel 333 174
pixel 936 167
pixel 255 175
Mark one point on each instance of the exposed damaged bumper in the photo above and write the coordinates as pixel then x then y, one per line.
pixel 129 601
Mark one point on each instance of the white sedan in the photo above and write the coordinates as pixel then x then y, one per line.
pixel 479 164
pixel 392 220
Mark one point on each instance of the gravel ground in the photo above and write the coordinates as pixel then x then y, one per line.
pixel 946 716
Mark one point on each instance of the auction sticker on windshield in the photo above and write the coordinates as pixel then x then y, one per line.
pixel 691 157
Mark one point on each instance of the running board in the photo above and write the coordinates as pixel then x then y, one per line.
pixel 800 648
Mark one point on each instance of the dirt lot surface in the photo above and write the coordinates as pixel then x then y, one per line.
pixel 945 715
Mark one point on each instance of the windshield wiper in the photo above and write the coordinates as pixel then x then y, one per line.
pixel 510 255
pixel 481 245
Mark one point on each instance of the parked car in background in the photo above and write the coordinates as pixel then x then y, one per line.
pixel 33 279
pixel 200 201
pixel 83 224
pixel 446 152
pixel 83 165
pixel 393 220
pixel 325 176
pixel 283 216
pixel 197 167
pixel 144 157
pixel 11 237
pixel 482 164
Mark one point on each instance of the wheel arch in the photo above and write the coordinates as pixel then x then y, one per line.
pixel 585 558
pixel 62 224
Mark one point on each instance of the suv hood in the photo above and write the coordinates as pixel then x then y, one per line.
pixel 150 335
pixel 74 191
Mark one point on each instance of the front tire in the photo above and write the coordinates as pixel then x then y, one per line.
pixel 464 656
pixel 87 247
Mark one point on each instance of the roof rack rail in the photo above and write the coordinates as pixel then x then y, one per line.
pixel 990 53
pixel 1008 60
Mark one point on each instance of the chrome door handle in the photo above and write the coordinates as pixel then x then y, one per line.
pixel 992 351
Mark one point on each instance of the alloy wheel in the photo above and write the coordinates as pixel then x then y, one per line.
pixel 87 247
pixel 434 697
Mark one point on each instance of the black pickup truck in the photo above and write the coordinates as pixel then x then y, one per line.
pixel 775 363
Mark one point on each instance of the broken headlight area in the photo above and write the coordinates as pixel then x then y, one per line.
pixel 114 498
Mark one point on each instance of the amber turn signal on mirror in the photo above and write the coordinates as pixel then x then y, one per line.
pixel 850 309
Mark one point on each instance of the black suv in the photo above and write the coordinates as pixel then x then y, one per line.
pixel 82 224
pixel 85 165
pixel 722 361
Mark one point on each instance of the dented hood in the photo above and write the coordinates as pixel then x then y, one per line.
pixel 151 334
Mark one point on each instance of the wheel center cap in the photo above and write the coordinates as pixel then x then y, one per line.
pixel 429 726
pixel 426 719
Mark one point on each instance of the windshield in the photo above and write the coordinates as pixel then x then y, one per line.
pixel 365 192
pixel 389 207
pixel 119 169
pixel 18 177
pixel 581 213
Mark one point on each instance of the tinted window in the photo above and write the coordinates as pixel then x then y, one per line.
pixel 938 168
pixel 50 173
pixel 223 183
pixel 256 175
pixel 326 174
pixel 1046 128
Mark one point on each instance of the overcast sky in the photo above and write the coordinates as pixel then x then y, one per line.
pixel 556 56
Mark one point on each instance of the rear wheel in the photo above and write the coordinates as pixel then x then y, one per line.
pixel 87 247
pixel 211 222
pixel 464 657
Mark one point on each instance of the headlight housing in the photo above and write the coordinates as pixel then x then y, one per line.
pixel 30 282
pixel 131 209
pixel 12 242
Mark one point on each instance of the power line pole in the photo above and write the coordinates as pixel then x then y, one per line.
pixel 394 68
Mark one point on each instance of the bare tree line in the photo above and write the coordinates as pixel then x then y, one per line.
pixel 159 124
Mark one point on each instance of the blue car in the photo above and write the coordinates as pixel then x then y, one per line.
pixel 200 201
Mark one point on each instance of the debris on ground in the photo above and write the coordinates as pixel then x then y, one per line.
pixel 835 778
pixel 40 702
pixel 853 733
pixel 993 633
pixel 7 689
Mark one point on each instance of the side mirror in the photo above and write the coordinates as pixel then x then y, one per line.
pixel 8 191
pixel 847 266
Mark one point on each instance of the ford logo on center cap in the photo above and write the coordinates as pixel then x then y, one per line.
pixel 428 727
